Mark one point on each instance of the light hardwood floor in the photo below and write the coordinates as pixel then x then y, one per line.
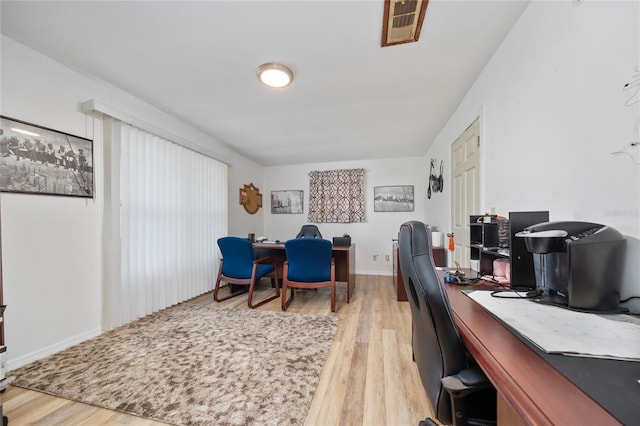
pixel 369 378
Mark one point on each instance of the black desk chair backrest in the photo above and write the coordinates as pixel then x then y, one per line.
pixel 437 348
pixel 309 231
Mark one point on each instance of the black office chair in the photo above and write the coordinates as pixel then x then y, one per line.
pixel 309 231
pixel 459 391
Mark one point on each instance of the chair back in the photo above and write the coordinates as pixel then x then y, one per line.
pixel 309 231
pixel 437 347
pixel 309 259
pixel 237 254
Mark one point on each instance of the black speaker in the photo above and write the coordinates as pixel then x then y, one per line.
pixel 520 259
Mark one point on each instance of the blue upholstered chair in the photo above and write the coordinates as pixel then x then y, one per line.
pixel 239 268
pixel 309 265
pixel 309 231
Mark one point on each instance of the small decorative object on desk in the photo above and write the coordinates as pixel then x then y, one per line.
pixel 344 241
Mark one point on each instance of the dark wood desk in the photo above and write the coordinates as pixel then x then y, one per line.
pixel 345 259
pixel 439 259
pixel 530 391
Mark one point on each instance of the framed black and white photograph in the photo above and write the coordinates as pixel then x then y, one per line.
pixel 39 160
pixel 287 202
pixel 393 198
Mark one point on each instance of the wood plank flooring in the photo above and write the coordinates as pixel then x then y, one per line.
pixel 369 377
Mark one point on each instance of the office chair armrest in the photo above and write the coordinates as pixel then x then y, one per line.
pixel 267 259
pixel 465 382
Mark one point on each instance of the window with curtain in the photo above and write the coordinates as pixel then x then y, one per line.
pixel 173 208
pixel 336 196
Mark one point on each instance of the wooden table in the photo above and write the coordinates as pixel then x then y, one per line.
pixel 530 390
pixel 345 259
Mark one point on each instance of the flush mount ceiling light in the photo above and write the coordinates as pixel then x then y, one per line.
pixel 402 21
pixel 275 75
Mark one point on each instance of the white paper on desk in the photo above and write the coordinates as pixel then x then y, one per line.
pixel 558 330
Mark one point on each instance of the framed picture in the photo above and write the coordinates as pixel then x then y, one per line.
pixel 38 160
pixel 287 202
pixel 393 198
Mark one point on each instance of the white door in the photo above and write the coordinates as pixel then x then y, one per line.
pixel 465 199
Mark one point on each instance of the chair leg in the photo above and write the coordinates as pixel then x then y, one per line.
pixel 229 296
pixel 252 288
pixel 333 297
pixel 217 288
pixel 263 301
pixel 286 302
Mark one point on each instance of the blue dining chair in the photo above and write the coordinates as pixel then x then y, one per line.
pixel 309 265
pixel 239 268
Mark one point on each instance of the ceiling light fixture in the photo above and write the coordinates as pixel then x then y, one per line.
pixel 275 75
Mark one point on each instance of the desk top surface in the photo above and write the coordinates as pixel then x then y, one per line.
pixel 280 246
pixel 526 378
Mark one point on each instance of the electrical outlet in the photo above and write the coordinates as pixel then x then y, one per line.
pixel 386 257
pixel 375 257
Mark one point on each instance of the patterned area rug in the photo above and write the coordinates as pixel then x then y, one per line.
pixel 196 364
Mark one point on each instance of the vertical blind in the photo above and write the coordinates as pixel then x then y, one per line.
pixel 173 209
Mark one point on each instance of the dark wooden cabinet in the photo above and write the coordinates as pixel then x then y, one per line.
pixel 439 259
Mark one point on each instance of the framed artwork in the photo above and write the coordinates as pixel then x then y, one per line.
pixel 393 198
pixel 38 160
pixel 287 202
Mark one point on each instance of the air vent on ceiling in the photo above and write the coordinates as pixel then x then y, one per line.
pixel 402 21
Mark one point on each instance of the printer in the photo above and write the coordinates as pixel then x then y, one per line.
pixel 577 264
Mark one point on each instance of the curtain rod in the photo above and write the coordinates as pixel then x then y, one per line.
pixel 95 105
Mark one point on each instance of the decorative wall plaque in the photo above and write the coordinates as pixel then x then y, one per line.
pixel 250 198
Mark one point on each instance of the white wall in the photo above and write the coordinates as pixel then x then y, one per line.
pixel 373 237
pixel 551 103
pixel 51 245
pixel 552 108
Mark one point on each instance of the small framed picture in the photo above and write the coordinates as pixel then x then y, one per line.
pixel 287 202
pixel 393 198
pixel 38 160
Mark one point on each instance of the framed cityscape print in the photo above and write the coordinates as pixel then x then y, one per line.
pixel 393 198
pixel 39 160
pixel 287 202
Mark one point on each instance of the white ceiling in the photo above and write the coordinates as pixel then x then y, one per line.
pixel 350 98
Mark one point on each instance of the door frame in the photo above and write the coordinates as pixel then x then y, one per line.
pixel 461 254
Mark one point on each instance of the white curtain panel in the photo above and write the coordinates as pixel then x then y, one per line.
pixel 173 210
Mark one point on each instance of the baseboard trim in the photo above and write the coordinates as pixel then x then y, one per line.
pixel 376 272
pixel 12 364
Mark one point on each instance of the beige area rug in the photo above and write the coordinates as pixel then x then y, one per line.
pixel 196 364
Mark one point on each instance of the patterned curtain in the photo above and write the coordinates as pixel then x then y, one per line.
pixel 336 196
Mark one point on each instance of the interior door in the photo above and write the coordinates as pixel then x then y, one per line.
pixel 465 199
